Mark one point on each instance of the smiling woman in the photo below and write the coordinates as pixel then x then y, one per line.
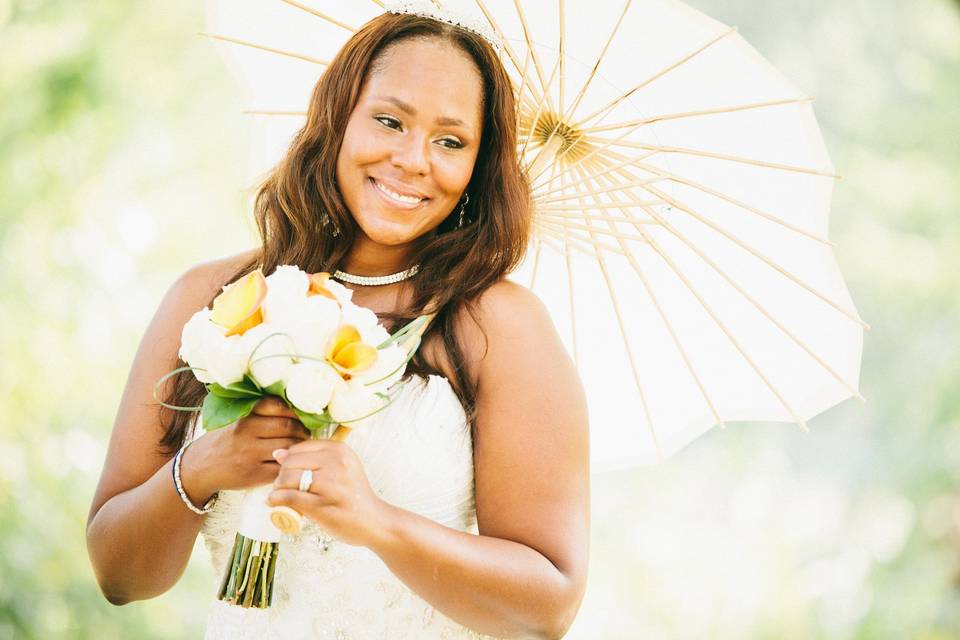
pixel 439 521
pixel 402 169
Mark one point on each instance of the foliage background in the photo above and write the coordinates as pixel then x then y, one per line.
pixel 122 149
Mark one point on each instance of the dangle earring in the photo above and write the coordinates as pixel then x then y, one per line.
pixel 324 221
pixel 463 206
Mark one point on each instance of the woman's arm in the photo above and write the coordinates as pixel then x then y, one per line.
pixel 139 533
pixel 525 575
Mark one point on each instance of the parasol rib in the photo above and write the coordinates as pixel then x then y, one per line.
pixel 583 245
pixel 259 112
pixel 261 47
pixel 757 305
pixel 321 15
pixel 711 154
pixel 746 247
pixel 519 90
pixel 536 120
pixel 667 324
pixel 564 198
pixel 606 232
pixel 506 44
pixel 615 204
pixel 587 156
pixel 546 192
pixel 694 114
pixel 568 113
pixel 561 52
pixel 613 103
pixel 570 289
pixel 626 345
pixel 717 194
pixel 726 331
pixel 536 263
pixel 596 217
pixel 531 52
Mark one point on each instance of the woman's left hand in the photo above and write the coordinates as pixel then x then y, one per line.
pixel 340 499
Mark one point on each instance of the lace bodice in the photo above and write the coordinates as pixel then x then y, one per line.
pixel 418 455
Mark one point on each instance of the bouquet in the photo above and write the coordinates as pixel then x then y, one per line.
pixel 297 336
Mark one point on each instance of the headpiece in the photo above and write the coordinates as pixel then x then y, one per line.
pixel 427 9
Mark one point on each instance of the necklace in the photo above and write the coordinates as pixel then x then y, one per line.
pixel 372 281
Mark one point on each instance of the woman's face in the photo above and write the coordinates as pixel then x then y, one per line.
pixel 415 131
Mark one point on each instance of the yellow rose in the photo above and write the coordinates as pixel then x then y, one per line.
pixel 238 307
pixel 348 354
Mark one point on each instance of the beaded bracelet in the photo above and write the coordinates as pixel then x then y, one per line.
pixel 183 494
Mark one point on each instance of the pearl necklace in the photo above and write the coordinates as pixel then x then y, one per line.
pixel 372 281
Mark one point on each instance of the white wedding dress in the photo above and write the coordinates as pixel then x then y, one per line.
pixel 418 455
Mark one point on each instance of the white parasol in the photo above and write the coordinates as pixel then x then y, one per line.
pixel 682 194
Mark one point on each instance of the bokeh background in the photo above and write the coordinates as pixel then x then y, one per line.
pixel 122 155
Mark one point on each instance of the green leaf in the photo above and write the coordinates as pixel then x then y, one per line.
pixel 276 389
pixel 219 411
pixel 312 421
pixel 413 325
pixel 250 382
pixel 235 390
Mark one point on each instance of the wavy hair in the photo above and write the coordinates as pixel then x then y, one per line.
pixel 456 264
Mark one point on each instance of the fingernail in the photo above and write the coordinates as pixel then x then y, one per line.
pixel 279 454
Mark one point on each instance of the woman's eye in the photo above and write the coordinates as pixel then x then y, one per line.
pixel 388 120
pixel 393 123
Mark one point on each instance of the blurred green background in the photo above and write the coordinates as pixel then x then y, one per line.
pixel 122 154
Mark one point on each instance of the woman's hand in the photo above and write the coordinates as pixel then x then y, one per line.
pixel 240 456
pixel 340 499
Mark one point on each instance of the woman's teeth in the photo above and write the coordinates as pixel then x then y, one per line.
pixel 397 196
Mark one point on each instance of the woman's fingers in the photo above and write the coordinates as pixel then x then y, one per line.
pixel 277 427
pixel 269 445
pixel 273 406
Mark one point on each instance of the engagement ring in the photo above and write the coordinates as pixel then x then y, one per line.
pixel 306 479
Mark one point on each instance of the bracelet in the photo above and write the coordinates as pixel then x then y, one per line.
pixel 183 494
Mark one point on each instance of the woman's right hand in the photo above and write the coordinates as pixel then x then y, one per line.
pixel 240 455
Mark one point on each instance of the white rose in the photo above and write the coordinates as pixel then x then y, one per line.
pixel 386 370
pixel 198 342
pixel 340 292
pixel 366 322
pixel 310 385
pixel 319 318
pixel 273 358
pixel 353 404
pixel 287 289
pixel 228 360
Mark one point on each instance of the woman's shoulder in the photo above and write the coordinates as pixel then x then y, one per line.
pixel 507 307
pixel 201 281
pixel 213 273
pixel 507 316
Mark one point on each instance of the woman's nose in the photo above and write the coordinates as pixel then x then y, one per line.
pixel 411 154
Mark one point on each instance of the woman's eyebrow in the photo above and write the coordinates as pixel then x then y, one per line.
pixel 445 121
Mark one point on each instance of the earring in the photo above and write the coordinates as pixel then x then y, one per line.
pixel 463 206
pixel 324 221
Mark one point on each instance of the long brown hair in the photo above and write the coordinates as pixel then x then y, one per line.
pixel 456 264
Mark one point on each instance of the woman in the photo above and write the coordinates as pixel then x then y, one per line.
pixel 466 510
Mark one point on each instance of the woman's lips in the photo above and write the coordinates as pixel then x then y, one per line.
pixel 393 202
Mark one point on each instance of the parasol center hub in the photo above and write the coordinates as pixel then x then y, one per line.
pixel 562 141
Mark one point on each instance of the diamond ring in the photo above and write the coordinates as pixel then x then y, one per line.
pixel 306 479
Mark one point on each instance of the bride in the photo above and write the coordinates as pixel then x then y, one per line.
pixel 464 510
